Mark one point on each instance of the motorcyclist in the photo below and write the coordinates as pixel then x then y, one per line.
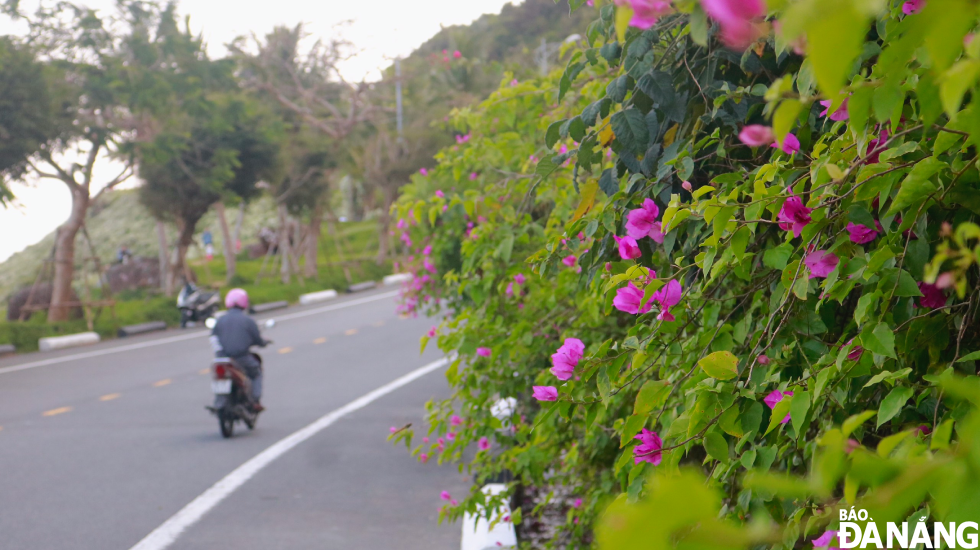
pixel 232 336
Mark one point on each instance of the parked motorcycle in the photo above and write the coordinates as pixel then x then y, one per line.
pixel 195 305
pixel 232 390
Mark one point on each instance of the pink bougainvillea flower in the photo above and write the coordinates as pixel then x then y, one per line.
pixel 647 12
pixel 457 54
pixel 440 442
pixel 451 436
pixel 483 444
pixel 642 222
pixel 628 300
pixel 668 296
pixel 649 448
pixel 826 540
pixel 861 234
pixel 850 446
pixel 424 457
pixel 510 289
pixel 427 250
pixel 440 194
pixel 913 6
pixel 484 352
pixel 876 146
pixel 566 358
pixel 756 135
pixel 445 495
pixel 461 139
pixel 932 296
pixel 763 359
pixel 628 248
pixel 545 393
pixel 821 263
pixel 423 171
pixel 455 420
pixel 687 186
pixel 739 20
pixel 401 224
pixel 775 397
pixel 855 353
pixel 473 176
pixel 945 280
pixel 577 503
pixel 839 114
pixel 425 440
pixel 793 216
pixel 392 429
pixel 569 260
pixel 790 145
pixel 519 278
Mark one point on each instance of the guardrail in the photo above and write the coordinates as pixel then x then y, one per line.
pixel 131 330
pixel 396 278
pixel 52 343
pixel 314 297
pixel 6 349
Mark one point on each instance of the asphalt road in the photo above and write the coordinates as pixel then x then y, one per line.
pixel 98 451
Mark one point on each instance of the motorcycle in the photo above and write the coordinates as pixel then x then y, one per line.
pixel 195 305
pixel 232 390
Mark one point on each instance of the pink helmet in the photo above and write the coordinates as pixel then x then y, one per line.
pixel 236 297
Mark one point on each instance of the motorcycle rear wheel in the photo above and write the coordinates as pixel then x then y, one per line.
pixel 227 426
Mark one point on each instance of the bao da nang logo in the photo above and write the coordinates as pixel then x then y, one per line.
pixel 919 534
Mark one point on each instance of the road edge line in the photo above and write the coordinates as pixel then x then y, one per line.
pixel 167 533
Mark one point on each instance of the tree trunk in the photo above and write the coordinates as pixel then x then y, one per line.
pixel 165 282
pixel 229 246
pixel 285 248
pixel 185 237
pixel 64 257
pixel 384 224
pixel 313 241
pixel 238 227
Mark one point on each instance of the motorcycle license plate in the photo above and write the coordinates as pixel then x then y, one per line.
pixel 221 386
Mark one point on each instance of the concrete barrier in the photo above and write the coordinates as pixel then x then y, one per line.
pixel 7 349
pixel 68 341
pixel 396 278
pixel 314 297
pixel 477 534
pixel 362 286
pixel 269 306
pixel 141 328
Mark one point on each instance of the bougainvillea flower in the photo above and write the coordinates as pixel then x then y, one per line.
pixel 566 358
pixel 668 296
pixel 628 248
pixel 484 352
pixel 392 429
pixel 425 440
pixel 569 260
pixel 455 420
pixel 545 393
pixel 839 114
pixel 473 176
pixel 628 300
pixel 821 263
pixel 649 448
pixel 427 250
pixel 423 171
pixel 445 495
pixel 763 359
pixel 756 135
pixel 520 278
pixel 875 147
pixel 790 146
pixel 401 224
pixel 932 296
pixel 451 436
pixel 647 12
pixel 440 194
pixel 424 457
pixel 642 222
pixel 861 234
pixel 825 540
pixel 775 397
pixel 913 6
pixel 687 186
pixel 577 503
pixel 793 216
pixel 483 444
pixel 440 442
pixel 855 353
pixel 738 19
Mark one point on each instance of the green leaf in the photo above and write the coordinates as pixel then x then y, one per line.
pixel 885 99
pixel 940 438
pixel 631 427
pixel 608 182
pixel 785 117
pixel 969 357
pixel 630 128
pixel 721 365
pixel 779 412
pixel 605 386
pixel 946 25
pixel 892 404
pixel 834 39
pixel 916 186
pixel 880 340
pixel 888 444
pixel 864 303
pixel 776 258
pixel 752 417
pixel 957 80
pixel 853 422
pixel 699 26
pixel 553 134
pixel 651 396
pixel 716 446
pixel 798 407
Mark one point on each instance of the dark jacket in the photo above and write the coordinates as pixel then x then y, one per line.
pixel 236 332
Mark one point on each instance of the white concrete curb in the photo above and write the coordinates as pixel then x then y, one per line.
pixel 397 278
pixel 68 341
pixel 314 297
pixel 477 534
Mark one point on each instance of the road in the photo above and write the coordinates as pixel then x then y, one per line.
pixel 102 445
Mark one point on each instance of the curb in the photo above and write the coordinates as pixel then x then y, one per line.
pixel 130 330
pixel 396 278
pixel 477 534
pixel 51 343
pixel 269 306
pixel 314 297
pixel 368 285
pixel 7 348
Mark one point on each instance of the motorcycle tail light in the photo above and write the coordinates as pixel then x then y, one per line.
pixel 220 371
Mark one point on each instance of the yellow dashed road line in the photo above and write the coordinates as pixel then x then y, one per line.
pixel 162 383
pixel 320 340
pixel 286 349
pixel 379 324
pixel 109 397
pixel 57 411
pixel 350 332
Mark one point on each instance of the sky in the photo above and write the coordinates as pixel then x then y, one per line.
pixel 380 30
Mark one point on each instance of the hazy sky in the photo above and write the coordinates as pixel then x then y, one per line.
pixel 381 30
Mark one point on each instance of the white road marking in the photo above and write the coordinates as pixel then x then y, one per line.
pixel 165 535
pixel 182 337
